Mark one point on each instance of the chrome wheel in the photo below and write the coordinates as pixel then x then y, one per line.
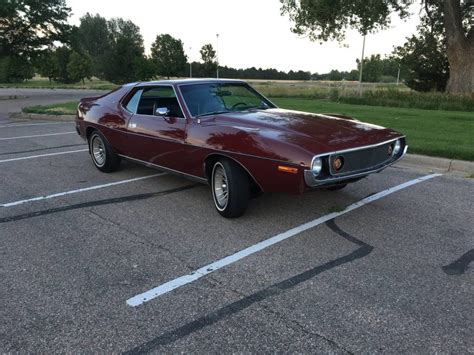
pixel 98 151
pixel 220 186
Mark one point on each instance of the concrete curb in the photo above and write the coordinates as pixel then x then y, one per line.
pixel 40 116
pixel 415 161
pixel 457 167
pixel 12 97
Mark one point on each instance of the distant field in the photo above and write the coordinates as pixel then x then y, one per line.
pixel 326 84
pixel 430 132
pixel 374 94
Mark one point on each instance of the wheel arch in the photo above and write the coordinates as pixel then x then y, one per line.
pixel 90 130
pixel 213 157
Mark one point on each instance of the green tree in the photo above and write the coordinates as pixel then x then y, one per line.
pixel 46 65
pixel 353 75
pixel 326 19
pixel 373 68
pixel 62 56
pixel 26 28
pixel 15 69
pixel 334 75
pixel 79 67
pixel 423 58
pixel 126 47
pixel 208 56
pixel 94 40
pixel 168 54
pixel 144 68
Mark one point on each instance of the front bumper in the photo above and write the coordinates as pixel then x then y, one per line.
pixel 326 177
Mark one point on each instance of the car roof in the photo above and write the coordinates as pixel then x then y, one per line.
pixel 186 81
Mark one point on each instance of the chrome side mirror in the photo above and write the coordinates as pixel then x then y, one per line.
pixel 162 111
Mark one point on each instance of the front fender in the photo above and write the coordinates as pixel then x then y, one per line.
pixel 259 152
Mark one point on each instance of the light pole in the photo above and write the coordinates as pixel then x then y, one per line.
pixel 217 55
pixel 190 64
pixel 361 67
pixel 398 75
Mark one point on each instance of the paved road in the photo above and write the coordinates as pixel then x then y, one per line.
pixel 394 275
pixel 30 97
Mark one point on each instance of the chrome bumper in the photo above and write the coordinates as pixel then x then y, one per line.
pixel 314 181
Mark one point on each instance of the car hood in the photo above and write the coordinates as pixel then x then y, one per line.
pixel 317 133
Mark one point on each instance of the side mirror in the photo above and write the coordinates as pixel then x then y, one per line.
pixel 162 111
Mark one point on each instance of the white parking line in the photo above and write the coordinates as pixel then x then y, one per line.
pixel 42 155
pixel 37 135
pixel 33 124
pixel 90 188
pixel 205 270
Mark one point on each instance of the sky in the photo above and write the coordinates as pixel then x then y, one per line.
pixel 251 32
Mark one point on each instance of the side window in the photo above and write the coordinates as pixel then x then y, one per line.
pixel 157 97
pixel 132 104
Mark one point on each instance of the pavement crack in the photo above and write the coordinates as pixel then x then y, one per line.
pixel 246 301
pixel 104 202
pixel 297 326
pixel 142 240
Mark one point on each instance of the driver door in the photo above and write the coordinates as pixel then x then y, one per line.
pixel 158 128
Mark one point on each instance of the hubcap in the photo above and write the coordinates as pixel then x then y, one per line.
pixel 219 184
pixel 98 151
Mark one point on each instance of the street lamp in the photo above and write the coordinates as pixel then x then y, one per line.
pixel 217 55
pixel 190 64
pixel 398 75
pixel 361 66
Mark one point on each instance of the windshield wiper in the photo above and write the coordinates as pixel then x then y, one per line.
pixel 261 107
pixel 212 113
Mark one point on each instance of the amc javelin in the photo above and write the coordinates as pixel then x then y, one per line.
pixel 226 134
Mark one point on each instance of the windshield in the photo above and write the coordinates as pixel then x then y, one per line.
pixel 212 98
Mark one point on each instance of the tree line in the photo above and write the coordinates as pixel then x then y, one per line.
pixel 439 56
pixel 35 37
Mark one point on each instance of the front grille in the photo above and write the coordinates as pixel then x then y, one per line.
pixel 360 160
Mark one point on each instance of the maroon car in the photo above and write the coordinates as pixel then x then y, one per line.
pixel 226 134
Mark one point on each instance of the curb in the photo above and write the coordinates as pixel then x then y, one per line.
pixel 40 116
pixel 12 97
pixel 424 162
pixel 457 167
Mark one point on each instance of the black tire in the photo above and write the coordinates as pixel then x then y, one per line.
pixel 336 187
pixel 102 154
pixel 235 187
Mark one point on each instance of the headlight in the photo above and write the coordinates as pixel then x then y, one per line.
pixel 316 166
pixel 396 147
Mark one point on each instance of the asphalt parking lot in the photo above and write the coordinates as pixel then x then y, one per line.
pixel 78 249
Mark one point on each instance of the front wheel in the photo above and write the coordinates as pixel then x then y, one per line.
pixel 102 154
pixel 230 188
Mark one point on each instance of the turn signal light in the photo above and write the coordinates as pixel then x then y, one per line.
pixel 287 169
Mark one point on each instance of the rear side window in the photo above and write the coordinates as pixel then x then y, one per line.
pixel 132 104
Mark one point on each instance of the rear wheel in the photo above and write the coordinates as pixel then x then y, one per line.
pixel 230 188
pixel 102 154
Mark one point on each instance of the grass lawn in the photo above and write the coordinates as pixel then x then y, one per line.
pixel 448 134
pixel 65 108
